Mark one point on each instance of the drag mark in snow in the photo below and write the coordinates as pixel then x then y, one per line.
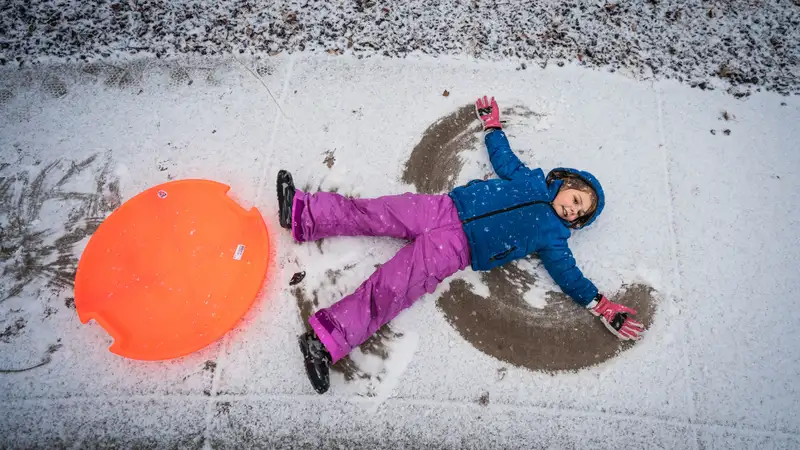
pixel 439 148
pixel 560 336
pixel 376 345
pixel 45 360
pixel 45 209
pixel 434 163
pixel 32 252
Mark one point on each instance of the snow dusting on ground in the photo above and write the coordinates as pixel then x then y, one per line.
pixel 709 44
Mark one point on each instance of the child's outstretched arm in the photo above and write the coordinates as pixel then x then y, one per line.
pixel 506 164
pixel 560 263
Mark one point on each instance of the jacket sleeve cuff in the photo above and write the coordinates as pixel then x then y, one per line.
pixel 595 301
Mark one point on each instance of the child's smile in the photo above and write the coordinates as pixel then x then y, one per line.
pixel 570 204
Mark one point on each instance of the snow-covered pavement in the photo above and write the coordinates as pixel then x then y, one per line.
pixel 700 230
pixel 739 45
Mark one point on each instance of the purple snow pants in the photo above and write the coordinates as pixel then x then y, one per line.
pixel 437 249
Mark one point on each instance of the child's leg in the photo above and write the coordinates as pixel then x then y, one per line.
pixel 325 214
pixel 416 269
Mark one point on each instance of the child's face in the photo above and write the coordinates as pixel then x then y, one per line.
pixel 571 204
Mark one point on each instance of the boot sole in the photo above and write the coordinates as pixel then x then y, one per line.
pixel 284 209
pixel 321 384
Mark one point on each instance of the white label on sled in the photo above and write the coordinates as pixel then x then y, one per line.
pixel 237 255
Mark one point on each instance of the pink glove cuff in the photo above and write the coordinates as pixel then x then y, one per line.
pixel 617 318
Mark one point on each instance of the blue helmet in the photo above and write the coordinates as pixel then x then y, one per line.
pixel 563 173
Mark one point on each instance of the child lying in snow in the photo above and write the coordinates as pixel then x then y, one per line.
pixel 484 224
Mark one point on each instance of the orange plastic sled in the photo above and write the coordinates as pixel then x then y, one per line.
pixel 172 270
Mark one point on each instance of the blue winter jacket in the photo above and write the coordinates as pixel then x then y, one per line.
pixel 511 217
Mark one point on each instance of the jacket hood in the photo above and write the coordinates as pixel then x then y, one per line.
pixel 557 176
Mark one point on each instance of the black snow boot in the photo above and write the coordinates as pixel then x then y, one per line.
pixel 317 360
pixel 285 187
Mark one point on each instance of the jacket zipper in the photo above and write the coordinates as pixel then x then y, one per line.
pixel 501 211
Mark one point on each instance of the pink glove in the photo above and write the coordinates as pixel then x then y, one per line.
pixel 488 112
pixel 615 317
